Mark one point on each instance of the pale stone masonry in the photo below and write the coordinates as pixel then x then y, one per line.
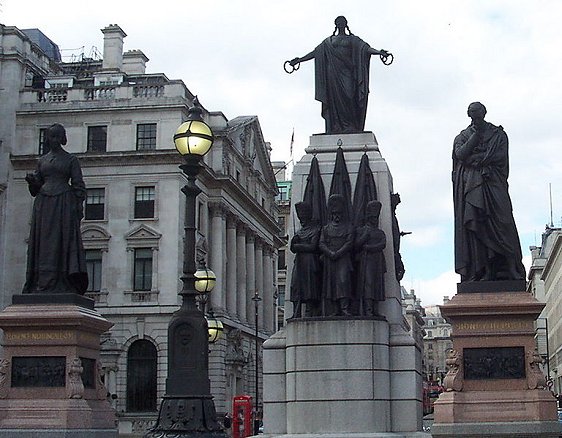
pixel 238 235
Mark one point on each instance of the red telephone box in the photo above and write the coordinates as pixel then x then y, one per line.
pixel 242 416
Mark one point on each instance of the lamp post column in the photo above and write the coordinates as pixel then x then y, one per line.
pixel 187 410
pixel 256 300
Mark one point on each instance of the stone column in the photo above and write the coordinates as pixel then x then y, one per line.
pixel 268 289
pixel 111 383
pixel 241 287
pixel 259 276
pixel 231 265
pixel 250 273
pixel 217 259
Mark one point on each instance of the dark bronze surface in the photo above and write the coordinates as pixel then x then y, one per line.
pixel 38 371
pixel 487 246
pixel 494 363
pixel 342 64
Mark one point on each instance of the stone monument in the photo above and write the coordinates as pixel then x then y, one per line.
pixel 51 382
pixel 494 386
pixel 345 364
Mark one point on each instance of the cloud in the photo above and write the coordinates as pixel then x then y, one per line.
pixel 432 291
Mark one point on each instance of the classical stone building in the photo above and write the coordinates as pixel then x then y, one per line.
pixel 120 121
pixel 545 283
pixel 414 313
pixel 283 200
pixel 437 344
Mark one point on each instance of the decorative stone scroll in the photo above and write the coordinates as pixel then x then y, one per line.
pixel 453 381
pixel 75 387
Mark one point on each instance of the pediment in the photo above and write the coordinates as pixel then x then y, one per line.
pixel 95 237
pixel 246 135
pixel 94 233
pixel 142 232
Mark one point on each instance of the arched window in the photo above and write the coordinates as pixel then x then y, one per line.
pixel 141 377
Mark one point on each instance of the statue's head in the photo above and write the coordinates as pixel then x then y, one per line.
pixel 304 211
pixel 476 111
pixel 336 208
pixel 341 25
pixel 56 135
pixel 340 21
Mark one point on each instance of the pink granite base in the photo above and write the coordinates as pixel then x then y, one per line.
pixel 68 332
pixel 493 321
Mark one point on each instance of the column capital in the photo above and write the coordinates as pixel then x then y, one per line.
pixel 250 236
pixel 259 242
pixel 217 208
pixel 242 227
pixel 232 220
pixel 268 249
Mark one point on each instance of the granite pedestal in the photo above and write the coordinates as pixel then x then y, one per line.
pixel 494 387
pixel 50 373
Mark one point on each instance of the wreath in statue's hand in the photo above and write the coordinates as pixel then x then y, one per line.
pixel 292 64
pixel 387 58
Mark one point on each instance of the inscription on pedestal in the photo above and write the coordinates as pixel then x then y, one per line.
pixel 493 326
pixel 38 371
pixel 494 363
pixel 58 335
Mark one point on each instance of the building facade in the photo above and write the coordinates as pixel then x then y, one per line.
pixel 120 121
pixel 545 284
pixel 437 344
pixel 283 200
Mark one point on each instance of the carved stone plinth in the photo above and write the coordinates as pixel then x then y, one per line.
pixel 50 373
pixel 494 387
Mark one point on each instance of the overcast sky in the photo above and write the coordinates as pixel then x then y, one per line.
pixel 505 54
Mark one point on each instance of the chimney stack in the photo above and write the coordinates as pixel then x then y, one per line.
pixel 113 47
pixel 134 62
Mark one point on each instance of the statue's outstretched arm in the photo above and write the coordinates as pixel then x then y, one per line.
pixel 305 58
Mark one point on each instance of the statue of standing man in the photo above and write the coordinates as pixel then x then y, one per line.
pixel 342 78
pixel 487 245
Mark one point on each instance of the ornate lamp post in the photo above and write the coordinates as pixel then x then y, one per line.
pixel 187 409
pixel 256 299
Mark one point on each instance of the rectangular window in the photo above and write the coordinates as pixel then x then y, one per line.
pixel 283 194
pixel 43 146
pixel 146 136
pixel 143 269
pixel 281 297
pixel 281 263
pixel 97 138
pixel 93 266
pixel 282 224
pixel 144 202
pixel 95 204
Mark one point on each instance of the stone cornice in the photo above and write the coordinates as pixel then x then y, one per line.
pixel 106 159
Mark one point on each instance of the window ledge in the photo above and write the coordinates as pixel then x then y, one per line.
pixel 142 296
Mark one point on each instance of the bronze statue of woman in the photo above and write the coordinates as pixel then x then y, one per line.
pixel 55 255
pixel 342 78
